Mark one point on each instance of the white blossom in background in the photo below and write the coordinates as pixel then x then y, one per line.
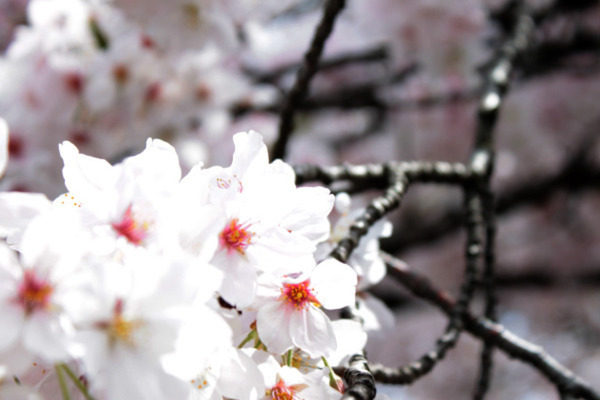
pixel 10 390
pixel 365 259
pixel 181 25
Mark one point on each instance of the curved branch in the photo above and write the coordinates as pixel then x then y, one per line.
pixel 511 344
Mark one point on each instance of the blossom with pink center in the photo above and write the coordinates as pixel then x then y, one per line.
pixel 289 308
pixel 298 295
pixel 130 228
pixel 236 236
pixel 270 224
pixel 134 317
pixel 34 292
pixel 287 383
pixel 124 202
pixel 281 391
pixel 40 289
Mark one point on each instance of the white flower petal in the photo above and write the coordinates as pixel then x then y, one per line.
pixel 375 314
pixel 16 211
pixel 272 323
pixel 48 336
pixel 307 209
pixel 250 155
pixel 334 284
pixel 240 378
pixel 84 174
pixel 156 167
pixel 342 203
pixel 239 283
pixel 19 392
pixel 311 330
pixel 351 339
pixel 12 318
pixel 132 377
pixel 17 359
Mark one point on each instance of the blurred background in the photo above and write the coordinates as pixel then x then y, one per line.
pixel 399 80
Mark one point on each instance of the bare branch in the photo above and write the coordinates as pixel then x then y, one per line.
pixel 487 330
pixel 305 75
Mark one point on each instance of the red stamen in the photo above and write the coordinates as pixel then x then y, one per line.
pixel 34 292
pixel 236 237
pixel 299 295
pixel 282 392
pixel 130 228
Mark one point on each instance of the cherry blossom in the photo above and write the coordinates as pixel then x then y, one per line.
pixel 289 311
pixel 123 201
pixel 283 382
pixel 268 226
pixel 133 317
pixel 40 289
pixel 119 278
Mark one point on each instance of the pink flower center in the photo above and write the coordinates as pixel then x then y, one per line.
pixel 131 228
pixel 299 295
pixel 282 392
pixel 120 329
pixel 236 237
pixel 34 292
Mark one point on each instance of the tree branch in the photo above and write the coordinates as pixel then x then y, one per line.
pixel 514 346
pixel 305 75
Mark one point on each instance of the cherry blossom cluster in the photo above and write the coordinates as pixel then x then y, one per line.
pixel 138 283
pixel 105 74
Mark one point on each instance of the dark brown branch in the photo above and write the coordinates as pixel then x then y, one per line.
pixel 359 379
pixel 378 176
pixel 376 209
pixel 400 175
pixel 503 339
pixel 552 55
pixel 482 161
pixel 488 285
pixel 418 369
pixel 577 174
pixel 305 75
pixel 504 14
pixel 369 55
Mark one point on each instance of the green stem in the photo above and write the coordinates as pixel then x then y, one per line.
pixel 248 338
pixel 290 357
pixel 77 382
pixel 64 390
pixel 332 375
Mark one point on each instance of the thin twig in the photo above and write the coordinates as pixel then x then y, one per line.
pixel 482 161
pixel 378 53
pixel 305 75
